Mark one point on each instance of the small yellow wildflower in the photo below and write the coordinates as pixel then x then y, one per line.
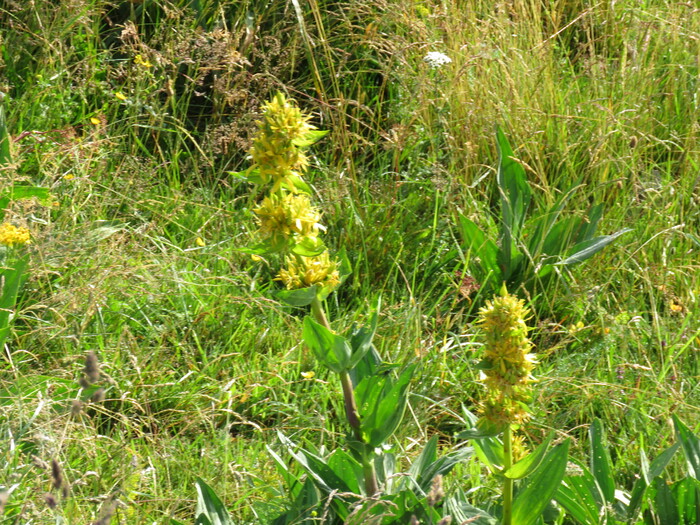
pixel 675 307
pixel 68 176
pixel 12 236
pixel 573 328
pixel 120 95
pixel 302 272
pixel 200 242
pixel 308 375
pixel 95 121
pixel 139 60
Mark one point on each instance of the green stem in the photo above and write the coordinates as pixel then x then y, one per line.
pixel 508 482
pixel 353 416
pixel 319 314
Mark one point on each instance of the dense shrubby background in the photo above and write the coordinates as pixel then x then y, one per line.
pixel 133 114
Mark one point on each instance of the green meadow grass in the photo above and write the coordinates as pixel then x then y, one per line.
pixel 136 258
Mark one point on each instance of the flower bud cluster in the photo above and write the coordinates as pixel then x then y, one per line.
pixel 286 218
pixel 507 362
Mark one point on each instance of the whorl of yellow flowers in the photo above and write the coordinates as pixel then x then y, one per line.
pixel 507 363
pixel 13 236
pixel 287 216
pixel 302 272
pixel 276 150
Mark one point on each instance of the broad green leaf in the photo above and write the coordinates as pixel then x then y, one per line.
pixel 515 196
pixel 427 465
pixel 16 193
pixel 529 463
pixel 347 469
pixel 361 338
pixel 381 404
pixel 283 468
pixel 458 507
pixel 691 447
pixel 260 248
pixel 600 462
pixel 442 466
pixel 332 350
pixel 307 499
pixel 299 297
pixel 385 466
pixel 665 504
pixel 11 280
pixel 484 429
pixel 686 493
pixel 297 183
pixel 309 247
pixel 251 175
pixel 588 227
pixel 490 451
pixel 324 476
pixel 541 486
pixel 587 249
pixel 427 456
pixel 477 246
pixel 310 138
pixel 545 223
pixel 649 472
pixel 578 501
pixel 659 464
pixel 210 506
pixel 559 238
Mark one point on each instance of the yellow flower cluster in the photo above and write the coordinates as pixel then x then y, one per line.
pixel 275 152
pixel 508 362
pixel 302 272
pixel 289 216
pixel 13 236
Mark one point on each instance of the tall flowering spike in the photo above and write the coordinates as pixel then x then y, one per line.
pixel 275 152
pixel 302 272
pixel 13 236
pixel 507 363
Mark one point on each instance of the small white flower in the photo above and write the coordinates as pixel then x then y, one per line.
pixel 436 59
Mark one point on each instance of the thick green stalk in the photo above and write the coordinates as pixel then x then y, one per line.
pixel 508 482
pixel 370 473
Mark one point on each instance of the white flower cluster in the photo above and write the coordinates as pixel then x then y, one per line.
pixel 435 59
